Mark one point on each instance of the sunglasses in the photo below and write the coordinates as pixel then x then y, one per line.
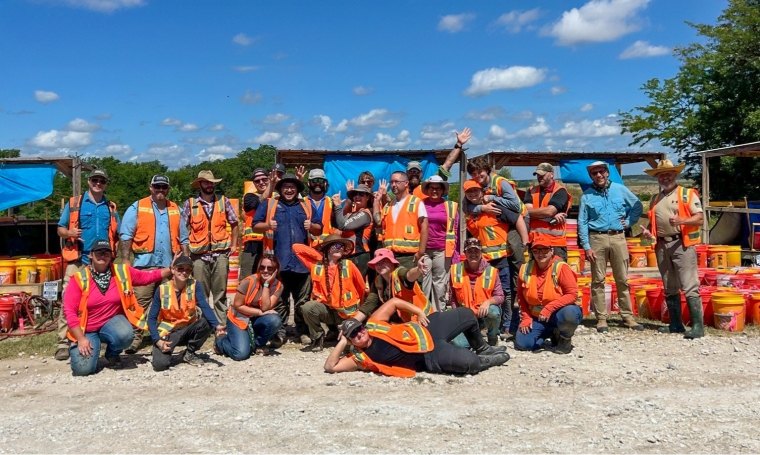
pixel 600 171
pixel 185 270
pixel 266 268
pixel 318 181
pixel 97 181
pixel 261 180
pixel 541 250
pixel 356 332
pixel 160 187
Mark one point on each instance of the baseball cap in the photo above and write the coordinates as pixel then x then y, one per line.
pixel 182 260
pixel 543 168
pixel 98 173
pixel 260 171
pixel 159 179
pixel 598 163
pixel 100 245
pixel 316 174
pixel 471 185
pixel 350 326
pixel 414 165
pixel 472 242
pixel 279 167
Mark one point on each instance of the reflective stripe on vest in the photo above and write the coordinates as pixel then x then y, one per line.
pixel 690 235
pixel 402 236
pixel 176 314
pixel 551 291
pixel 208 234
pixel 451 235
pixel 71 249
pixel 144 239
pixel 415 296
pixel 463 289
pixel 248 234
pixel 541 226
pixel 348 302
pixel 271 211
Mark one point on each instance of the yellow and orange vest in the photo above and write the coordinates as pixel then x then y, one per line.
pixel 409 337
pixel 144 239
pixel 175 314
pixel 208 234
pixel 551 291
pixel 248 234
pixel 71 250
pixel 403 235
pixel 254 287
pixel 415 296
pixel 690 235
pixel 327 226
pixel 346 304
pixel 555 232
pixel 464 293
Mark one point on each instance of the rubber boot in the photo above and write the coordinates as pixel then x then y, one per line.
pixel 488 361
pixel 697 324
pixel 674 310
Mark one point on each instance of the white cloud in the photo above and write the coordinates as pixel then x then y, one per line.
pixel 250 97
pixel 488 114
pixel 495 133
pixel 441 135
pixel 350 141
pixel 104 6
pixel 45 97
pixel 62 139
pixel 243 40
pixel 454 23
pixel 325 121
pixel 342 126
pixel 380 118
pixel 590 128
pixel 269 137
pixel 539 128
pixel 293 141
pixel 558 90
pixel 514 21
pixel 276 118
pixel 587 107
pixel 597 21
pixel 188 127
pixel 82 125
pixel 245 69
pixel 169 121
pixel 118 150
pixel 216 127
pixel 390 142
pixel 220 150
pixel 642 49
pixel 362 91
pixel 511 78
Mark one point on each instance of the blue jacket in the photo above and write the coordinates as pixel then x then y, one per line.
pixel 604 209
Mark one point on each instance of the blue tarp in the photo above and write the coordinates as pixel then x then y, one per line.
pixel 339 168
pixel 24 183
pixel 574 171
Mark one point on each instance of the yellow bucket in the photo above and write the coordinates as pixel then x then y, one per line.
pixel 717 256
pixel 7 271
pixel 734 255
pixel 729 309
pixel 574 260
pixel 26 271
pixel 45 270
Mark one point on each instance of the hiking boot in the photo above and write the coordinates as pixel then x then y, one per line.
pixel 697 323
pixel 62 353
pixel 114 361
pixel 305 339
pixel 490 350
pixel 488 361
pixel 332 335
pixel 191 358
pixel 631 323
pixel 135 346
pixel 493 340
pixel 564 345
pixel 318 344
pixel 276 341
pixel 674 310
pixel 601 326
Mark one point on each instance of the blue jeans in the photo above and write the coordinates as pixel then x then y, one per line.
pixel 566 319
pixel 237 343
pixel 506 285
pixel 117 333
pixel 491 322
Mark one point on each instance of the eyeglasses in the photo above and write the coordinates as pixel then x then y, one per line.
pixel 98 181
pixel 185 270
pixel 598 171
pixel 398 182
pixel 261 180
pixel 266 268
pixel 160 187
pixel 435 188
pixel 318 181
pixel 541 250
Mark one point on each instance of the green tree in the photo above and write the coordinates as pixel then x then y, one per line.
pixel 10 153
pixel 713 101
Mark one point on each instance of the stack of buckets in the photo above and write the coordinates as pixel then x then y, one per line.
pixel 233 278
pixel 37 269
pixel 641 255
pixel 576 257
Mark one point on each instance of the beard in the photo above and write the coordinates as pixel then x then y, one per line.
pixel 317 189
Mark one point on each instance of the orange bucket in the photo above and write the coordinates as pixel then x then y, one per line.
pixel 638 256
pixel 651 257
pixel 753 315
pixel 701 256
pixel 7 271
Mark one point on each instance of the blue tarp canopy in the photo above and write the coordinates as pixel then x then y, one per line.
pixel 24 183
pixel 340 168
pixel 574 171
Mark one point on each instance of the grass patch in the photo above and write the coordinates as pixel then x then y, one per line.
pixel 40 345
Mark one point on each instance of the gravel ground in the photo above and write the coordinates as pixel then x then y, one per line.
pixel 617 392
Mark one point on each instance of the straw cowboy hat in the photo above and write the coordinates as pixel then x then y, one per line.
pixel 204 175
pixel 348 244
pixel 665 166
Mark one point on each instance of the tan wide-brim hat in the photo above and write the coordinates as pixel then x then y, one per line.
pixel 665 166
pixel 204 175
pixel 348 244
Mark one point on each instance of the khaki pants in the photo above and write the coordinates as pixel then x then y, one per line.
pixel 63 328
pixel 315 313
pixel 213 276
pixel 436 283
pixel 678 267
pixel 610 248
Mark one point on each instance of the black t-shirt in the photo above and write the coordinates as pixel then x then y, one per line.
pixel 380 351
pixel 559 200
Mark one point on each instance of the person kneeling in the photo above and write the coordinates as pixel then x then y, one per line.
pixel 173 317
pixel 547 292
pixel 403 349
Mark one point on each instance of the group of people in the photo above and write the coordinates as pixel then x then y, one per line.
pixel 378 273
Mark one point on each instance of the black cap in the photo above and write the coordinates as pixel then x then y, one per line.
pixel 101 244
pixel 350 326
pixel 99 173
pixel 260 171
pixel 182 260
pixel 279 167
pixel 159 179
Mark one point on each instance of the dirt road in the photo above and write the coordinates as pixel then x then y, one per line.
pixel 618 392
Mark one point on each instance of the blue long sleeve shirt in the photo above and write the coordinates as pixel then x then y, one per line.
pixel 200 300
pixel 604 209
pixel 162 251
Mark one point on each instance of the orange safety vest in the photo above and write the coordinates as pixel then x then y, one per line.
pixel 248 234
pixel 271 210
pixel 418 192
pixel 463 290
pixel 327 226
pixel 251 296
pixel 345 303
pixel 72 248
pixel 551 292
pixel 415 296
pixel 208 235
pixel 176 314
pixel 451 235
pixel 403 235
pixel 132 310
pixel 409 337
pixel 144 239
pixel 556 232
pixel 492 233
pixel 690 235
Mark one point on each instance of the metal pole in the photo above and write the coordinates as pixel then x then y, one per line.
pixel 462 178
pixel 706 200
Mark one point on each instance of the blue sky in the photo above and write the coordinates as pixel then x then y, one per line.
pixel 183 81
